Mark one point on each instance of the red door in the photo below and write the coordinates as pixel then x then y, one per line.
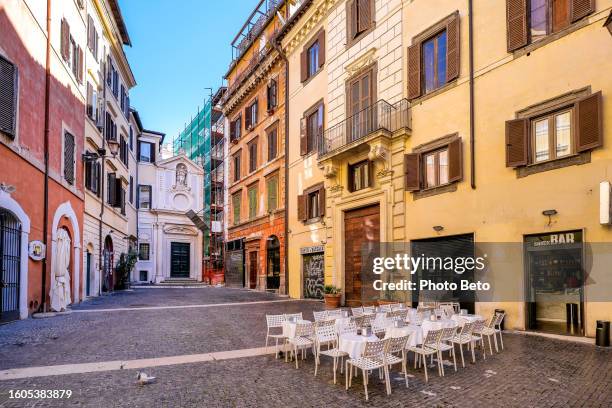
pixel 253 269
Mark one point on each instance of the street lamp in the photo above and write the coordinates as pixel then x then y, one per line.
pixel 113 146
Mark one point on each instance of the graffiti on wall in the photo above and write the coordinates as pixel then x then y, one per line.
pixel 314 277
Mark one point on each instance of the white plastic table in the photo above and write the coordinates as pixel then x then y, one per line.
pixel 415 332
pixel 461 319
pixel 289 328
pixel 354 344
pixel 428 325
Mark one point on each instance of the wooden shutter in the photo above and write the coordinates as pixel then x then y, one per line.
pixel 65 40
pixel 352 16
pixel 97 180
pixel 80 65
pixel 303 137
pixel 247 117
pixel 269 95
pixel 69 148
pixel 364 9
pixel 152 152
pixel 452 48
pixel 118 193
pixel 517 142
pixel 255 111
pixel 589 122
pixel 412 171
pixel 321 40
pixel 370 173
pixel 322 200
pixel 581 8
pixel 414 71
pixel 111 188
pixel 301 208
pixel 455 161
pixel 90 32
pixel 516 24
pixel 8 97
pixel 88 175
pixel 304 65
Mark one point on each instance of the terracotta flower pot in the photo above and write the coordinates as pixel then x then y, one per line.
pixel 332 301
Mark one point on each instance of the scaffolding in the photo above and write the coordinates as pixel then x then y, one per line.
pixel 202 140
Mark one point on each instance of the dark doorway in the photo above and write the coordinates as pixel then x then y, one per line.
pixel 457 246
pixel 362 244
pixel 273 263
pixel 253 269
pixel 88 272
pixel 10 263
pixel 179 259
pixel 107 269
pixel 314 275
pixel 234 264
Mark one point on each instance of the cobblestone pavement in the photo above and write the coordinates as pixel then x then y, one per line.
pixel 530 372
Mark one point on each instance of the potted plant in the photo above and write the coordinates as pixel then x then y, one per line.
pixel 124 268
pixel 332 296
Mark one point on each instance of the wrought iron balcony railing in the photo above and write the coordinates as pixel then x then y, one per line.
pixel 379 116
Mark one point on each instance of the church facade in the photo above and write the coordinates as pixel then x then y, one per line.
pixel 169 244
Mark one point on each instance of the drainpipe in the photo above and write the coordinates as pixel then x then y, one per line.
pixel 472 130
pixel 286 62
pixel 43 297
pixel 102 176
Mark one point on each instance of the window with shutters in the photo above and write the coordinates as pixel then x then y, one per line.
pixel 313 56
pixel 123 151
pixel 360 175
pixel 250 115
pixel 110 127
pixel 236 203
pixel 311 204
pixel 555 133
pixel 272 143
pixel 360 19
pixel 236 128
pixel 69 154
pixel 144 196
pixel 131 138
pixel 252 196
pixel 8 97
pixel 434 165
pixel 433 57
pixel 272 95
pixel 92 37
pixel 144 250
pixel 131 187
pixel 530 21
pixel 237 165
pixel 92 176
pixel 272 192
pixel 92 102
pixel 252 145
pixel 312 128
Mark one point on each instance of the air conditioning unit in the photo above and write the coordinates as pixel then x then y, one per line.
pixel 605 191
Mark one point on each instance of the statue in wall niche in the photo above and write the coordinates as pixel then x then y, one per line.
pixel 181 175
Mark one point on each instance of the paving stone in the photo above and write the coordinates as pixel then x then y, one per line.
pixel 520 376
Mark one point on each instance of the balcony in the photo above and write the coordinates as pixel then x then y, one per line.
pixel 381 118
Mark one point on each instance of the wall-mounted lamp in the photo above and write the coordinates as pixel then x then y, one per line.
pixel 549 214
pixel 438 228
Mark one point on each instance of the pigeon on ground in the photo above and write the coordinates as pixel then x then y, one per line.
pixel 144 379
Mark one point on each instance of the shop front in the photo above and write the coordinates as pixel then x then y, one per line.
pixel 234 264
pixel 554 275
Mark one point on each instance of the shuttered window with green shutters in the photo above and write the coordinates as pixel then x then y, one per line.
pixel 236 203
pixel 252 194
pixel 272 184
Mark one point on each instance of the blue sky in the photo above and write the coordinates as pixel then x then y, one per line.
pixel 179 48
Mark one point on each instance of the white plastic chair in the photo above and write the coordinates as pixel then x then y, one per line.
pixel 335 314
pixel 371 359
pixel 497 326
pixel 465 337
pixel 357 311
pixel 395 346
pixel 478 335
pixel 274 322
pixel 320 315
pixel 428 348
pixel 326 335
pixel 301 341
pixel 446 344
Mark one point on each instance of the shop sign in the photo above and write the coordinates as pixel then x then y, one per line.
pixel 557 238
pixel 311 250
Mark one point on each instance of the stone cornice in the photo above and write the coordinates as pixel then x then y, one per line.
pixel 303 31
pixel 252 80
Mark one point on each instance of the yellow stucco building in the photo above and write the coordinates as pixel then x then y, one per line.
pixel 458 129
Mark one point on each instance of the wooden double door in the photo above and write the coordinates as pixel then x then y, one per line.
pixel 361 245
pixel 179 259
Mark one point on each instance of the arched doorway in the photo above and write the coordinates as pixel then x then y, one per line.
pixel 107 267
pixel 272 263
pixel 10 265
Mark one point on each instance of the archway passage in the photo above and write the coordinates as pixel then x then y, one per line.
pixel 107 272
pixel 273 263
pixel 10 262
